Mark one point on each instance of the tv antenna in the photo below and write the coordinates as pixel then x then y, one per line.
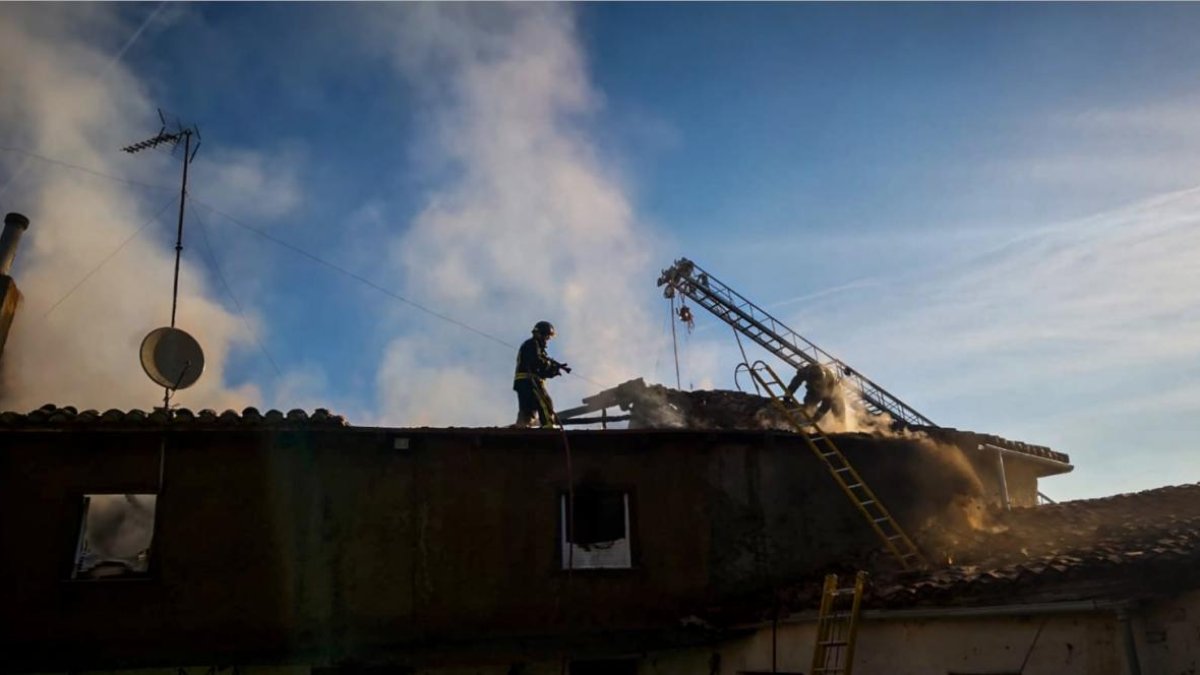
pixel 170 356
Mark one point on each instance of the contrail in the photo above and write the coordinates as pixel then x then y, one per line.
pixel 132 39
pixel 866 282
pixel 103 74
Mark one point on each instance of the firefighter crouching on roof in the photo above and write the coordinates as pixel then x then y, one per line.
pixel 822 391
pixel 534 366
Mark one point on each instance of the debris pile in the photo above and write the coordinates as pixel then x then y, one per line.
pixel 921 472
pixel 656 406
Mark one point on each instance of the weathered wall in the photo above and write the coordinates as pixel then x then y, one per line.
pixel 1088 643
pixel 1166 635
pixel 327 546
pixel 1067 645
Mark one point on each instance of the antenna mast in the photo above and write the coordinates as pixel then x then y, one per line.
pixel 184 134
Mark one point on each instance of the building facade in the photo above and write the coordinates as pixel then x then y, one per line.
pixel 138 541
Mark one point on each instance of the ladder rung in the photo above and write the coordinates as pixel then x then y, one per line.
pixel 833 643
pixel 867 503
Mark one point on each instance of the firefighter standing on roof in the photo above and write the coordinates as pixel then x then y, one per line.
pixel 534 367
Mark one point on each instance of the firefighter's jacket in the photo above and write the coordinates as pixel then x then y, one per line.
pixel 533 363
pixel 820 380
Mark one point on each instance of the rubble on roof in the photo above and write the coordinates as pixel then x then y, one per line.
pixel 657 406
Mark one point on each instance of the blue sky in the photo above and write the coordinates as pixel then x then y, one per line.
pixel 990 209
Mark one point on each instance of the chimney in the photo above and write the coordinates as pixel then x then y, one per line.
pixel 14 225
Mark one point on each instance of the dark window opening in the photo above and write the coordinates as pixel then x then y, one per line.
pixel 115 536
pixel 599 517
pixel 605 667
pixel 599 532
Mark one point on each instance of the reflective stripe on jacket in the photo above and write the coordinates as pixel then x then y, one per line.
pixel 533 362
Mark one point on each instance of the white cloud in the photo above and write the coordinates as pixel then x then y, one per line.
pixel 533 225
pixel 424 382
pixel 1104 280
pixel 1171 118
pixel 252 184
pixel 55 103
pixel 1068 318
pixel 1130 151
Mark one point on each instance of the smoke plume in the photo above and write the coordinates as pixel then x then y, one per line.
pixel 528 223
pixel 64 95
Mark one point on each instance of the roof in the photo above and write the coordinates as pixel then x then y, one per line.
pixel 1125 546
pixel 660 406
pixel 961 438
pixel 51 416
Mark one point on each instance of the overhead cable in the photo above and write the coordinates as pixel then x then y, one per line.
pixel 367 282
pixel 265 235
pixel 353 275
pixel 84 169
pixel 212 256
pixel 110 256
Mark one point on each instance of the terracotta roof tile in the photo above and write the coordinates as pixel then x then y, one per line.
pixel 1122 546
pixel 49 416
pixel 1116 540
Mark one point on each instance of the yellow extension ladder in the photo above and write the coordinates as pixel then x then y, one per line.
pixel 837 626
pixel 863 498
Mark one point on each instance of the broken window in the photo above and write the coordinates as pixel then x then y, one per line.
pixel 115 534
pixel 599 534
pixel 605 667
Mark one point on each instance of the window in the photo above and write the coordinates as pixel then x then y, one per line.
pixel 599 533
pixel 605 667
pixel 115 533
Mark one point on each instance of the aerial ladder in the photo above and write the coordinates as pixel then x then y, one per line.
pixel 687 279
pixel 684 277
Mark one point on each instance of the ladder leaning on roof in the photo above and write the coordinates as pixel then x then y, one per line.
pixel 837 626
pixel 864 499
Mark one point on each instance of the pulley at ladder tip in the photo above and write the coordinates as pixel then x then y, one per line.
pixel 686 316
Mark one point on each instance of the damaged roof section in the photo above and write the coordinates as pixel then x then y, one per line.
pixel 656 406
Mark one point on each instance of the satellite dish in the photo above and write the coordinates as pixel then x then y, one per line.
pixel 172 358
